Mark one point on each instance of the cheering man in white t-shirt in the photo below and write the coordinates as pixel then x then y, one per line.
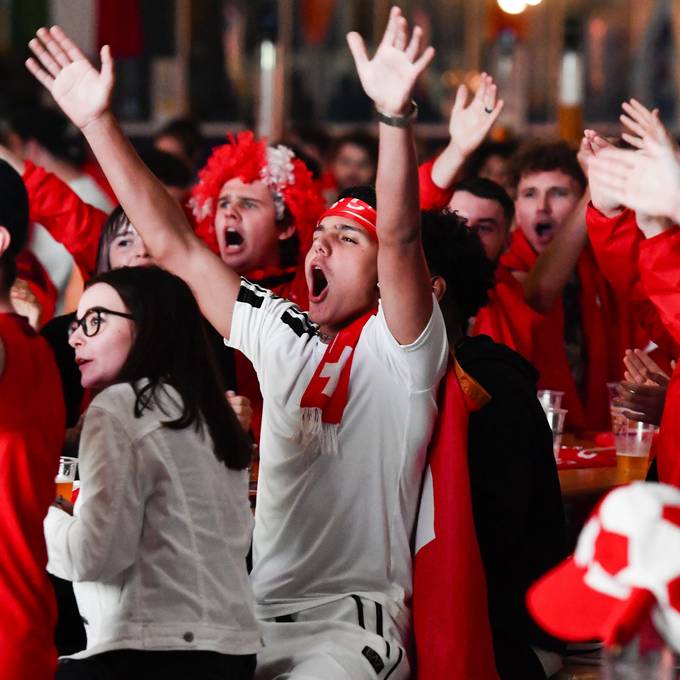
pixel 349 390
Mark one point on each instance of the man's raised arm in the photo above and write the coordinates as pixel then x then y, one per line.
pixel 388 79
pixel 84 94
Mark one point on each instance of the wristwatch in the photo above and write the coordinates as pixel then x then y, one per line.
pixel 399 121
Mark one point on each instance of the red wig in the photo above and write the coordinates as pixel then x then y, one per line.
pixel 251 160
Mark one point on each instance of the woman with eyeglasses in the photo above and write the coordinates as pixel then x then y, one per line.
pixel 157 543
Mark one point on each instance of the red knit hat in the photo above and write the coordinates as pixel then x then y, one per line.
pixel 251 160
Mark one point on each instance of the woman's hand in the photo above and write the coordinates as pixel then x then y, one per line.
pixel 82 92
pixel 389 78
pixel 64 505
pixel 242 408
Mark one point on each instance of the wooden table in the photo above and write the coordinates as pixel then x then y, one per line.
pixel 589 482
pixel 583 488
pixel 576 484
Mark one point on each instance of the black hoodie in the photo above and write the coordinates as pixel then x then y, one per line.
pixel 516 498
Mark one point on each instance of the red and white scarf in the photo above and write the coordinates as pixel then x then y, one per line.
pixel 325 398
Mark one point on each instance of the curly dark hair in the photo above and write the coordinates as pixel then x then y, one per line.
pixel 364 192
pixel 543 155
pixel 455 253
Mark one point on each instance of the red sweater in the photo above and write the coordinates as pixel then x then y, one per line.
pixel 660 275
pixel 31 436
pixel 71 221
pixel 616 242
pixel 432 197
pixel 606 333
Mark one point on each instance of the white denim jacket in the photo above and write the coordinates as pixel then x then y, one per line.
pixel 157 544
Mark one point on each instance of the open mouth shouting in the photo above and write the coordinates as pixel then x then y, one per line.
pixel 545 230
pixel 233 241
pixel 319 284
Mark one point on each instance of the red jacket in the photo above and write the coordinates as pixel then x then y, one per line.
pixel 74 223
pixel 31 436
pixel 507 318
pixel 616 243
pixel 605 332
pixel 660 275
pixel 432 197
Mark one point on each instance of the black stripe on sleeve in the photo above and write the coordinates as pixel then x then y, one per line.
pixel 360 610
pixel 251 294
pixel 298 322
pixel 378 619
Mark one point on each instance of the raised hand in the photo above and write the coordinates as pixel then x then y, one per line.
pixel 470 123
pixel 591 145
pixel 82 92
pixel 390 76
pixel 643 124
pixel 647 182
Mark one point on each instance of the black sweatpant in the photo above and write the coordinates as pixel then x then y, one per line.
pixel 130 664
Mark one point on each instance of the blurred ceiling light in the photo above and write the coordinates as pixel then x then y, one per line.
pixel 512 6
pixel 533 2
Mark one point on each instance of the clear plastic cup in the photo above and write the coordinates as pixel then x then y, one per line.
pixel 550 399
pixel 65 477
pixel 556 418
pixel 633 442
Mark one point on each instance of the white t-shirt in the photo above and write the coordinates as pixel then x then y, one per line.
pixel 331 525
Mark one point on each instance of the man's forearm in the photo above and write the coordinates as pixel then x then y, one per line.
pixel 548 277
pixel 397 185
pixel 447 167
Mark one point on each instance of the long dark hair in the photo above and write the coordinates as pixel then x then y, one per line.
pixel 170 346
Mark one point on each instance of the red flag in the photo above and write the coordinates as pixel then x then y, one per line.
pixel 453 634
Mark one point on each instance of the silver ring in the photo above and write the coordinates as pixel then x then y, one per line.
pixel 488 110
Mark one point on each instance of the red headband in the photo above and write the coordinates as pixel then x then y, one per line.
pixel 355 209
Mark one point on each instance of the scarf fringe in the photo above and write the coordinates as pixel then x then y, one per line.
pixel 313 428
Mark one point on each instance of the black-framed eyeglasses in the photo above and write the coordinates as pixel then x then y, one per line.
pixel 91 321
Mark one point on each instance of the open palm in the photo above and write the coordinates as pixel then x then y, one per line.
pixel 388 79
pixel 470 123
pixel 82 92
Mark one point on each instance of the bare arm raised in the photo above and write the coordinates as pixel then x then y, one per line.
pixel 646 180
pixel 84 94
pixel 468 126
pixel 388 79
